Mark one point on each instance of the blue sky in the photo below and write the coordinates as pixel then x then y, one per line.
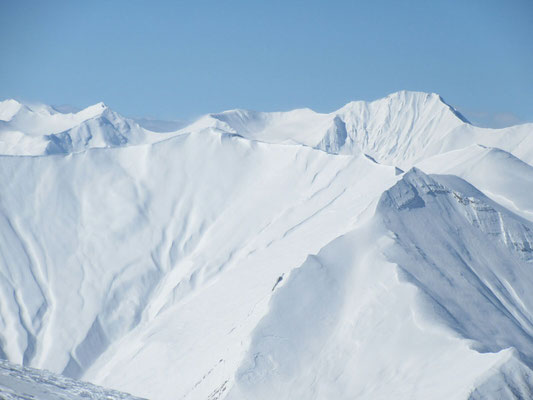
pixel 180 59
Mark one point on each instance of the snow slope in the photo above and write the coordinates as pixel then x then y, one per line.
pixel 270 255
pixel 136 238
pixel 401 129
pixel 500 175
pixel 383 311
pixel 22 383
pixel 392 129
pixel 41 129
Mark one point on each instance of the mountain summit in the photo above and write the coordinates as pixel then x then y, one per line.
pixel 254 255
pixel 386 129
pixel 41 129
pixel 400 129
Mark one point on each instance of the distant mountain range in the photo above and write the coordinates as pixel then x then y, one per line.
pixel 381 251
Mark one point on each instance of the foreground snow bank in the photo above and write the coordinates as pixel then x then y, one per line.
pixel 22 383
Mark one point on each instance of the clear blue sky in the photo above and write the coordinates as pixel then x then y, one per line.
pixel 180 59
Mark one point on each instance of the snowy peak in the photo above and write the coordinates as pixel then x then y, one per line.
pixel 405 99
pixel 399 128
pixel 105 129
pixel 40 129
pixel 396 130
pixel 8 108
pixel 256 255
pixel 466 253
pixel 40 119
pixel 435 283
pixel 92 111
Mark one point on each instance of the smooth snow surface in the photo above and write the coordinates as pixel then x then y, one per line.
pixel 280 255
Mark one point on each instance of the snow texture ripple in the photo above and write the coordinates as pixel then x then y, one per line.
pixel 282 255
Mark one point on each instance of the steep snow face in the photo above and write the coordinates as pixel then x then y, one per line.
pixel 384 311
pixel 40 129
pixel 392 130
pixel 401 129
pixel 40 119
pixel 407 136
pixel 8 108
pixel 156 241
pixel 270 255
pixel 108 130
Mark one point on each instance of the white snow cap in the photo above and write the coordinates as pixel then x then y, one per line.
pixel 268 255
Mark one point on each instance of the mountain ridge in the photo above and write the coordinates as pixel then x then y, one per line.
pixel 400 129
pixel 359 287
pixel 287 253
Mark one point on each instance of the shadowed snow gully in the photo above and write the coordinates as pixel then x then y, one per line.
pixel 276 255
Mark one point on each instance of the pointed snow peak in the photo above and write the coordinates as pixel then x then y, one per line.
pixel 421 102
pixel 400 128
pixel 93 111
pixel 98 107
pixel 414 95
pixel 8 108
pixel 7 102
pixel 408 192
pixel 427 99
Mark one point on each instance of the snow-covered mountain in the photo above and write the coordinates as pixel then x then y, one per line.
pixel 276 255
pixel 400 129
pixel 41 129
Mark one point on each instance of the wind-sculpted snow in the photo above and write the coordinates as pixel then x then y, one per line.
pixel 282 255
pixel 497 173
pixel 129 238
pixel 108 130
pixel 433 290
pixel 393 130
pixel 478 251
pixel 40 129
pixel 401 129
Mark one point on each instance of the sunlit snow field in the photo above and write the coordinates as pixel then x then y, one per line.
pixel 384 250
